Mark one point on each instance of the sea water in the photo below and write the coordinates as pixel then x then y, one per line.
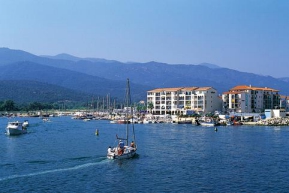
pixel 65 155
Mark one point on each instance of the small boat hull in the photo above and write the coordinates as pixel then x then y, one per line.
pixel 185 122
pixel 129 152
pixel 207 124
pixel 123 156
pixel 11 131
pixel 15 128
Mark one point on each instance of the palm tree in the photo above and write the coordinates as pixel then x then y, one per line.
pixel 150 106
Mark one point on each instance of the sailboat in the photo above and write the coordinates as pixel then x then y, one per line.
pixel 123 150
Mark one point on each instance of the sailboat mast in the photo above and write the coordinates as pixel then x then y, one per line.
pixel 127 105
pixel 131 112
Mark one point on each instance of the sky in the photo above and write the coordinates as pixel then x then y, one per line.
pixel 244 35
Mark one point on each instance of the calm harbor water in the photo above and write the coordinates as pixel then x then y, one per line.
pixel 65 155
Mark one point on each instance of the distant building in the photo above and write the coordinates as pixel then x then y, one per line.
pixel 275 113
pixel 284 102
pixel 249 99
pixel 173 101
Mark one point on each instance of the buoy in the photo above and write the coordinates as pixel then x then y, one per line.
pixel 216 129
pixel 96 132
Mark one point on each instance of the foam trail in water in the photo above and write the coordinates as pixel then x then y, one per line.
pixel 51 171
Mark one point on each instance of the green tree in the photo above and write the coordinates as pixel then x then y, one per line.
pixel 140 107
pixel 150 106
pixel 35 106
pixel 8 105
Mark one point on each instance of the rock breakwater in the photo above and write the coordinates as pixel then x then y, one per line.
pixel 274 122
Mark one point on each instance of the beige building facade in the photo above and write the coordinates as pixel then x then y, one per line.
pixel 173 101
pixel 249 99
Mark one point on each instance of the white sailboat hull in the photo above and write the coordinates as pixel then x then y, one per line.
pixel 129 152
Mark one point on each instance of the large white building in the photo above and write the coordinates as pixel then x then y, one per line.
pixel 163 101
pixel 249 99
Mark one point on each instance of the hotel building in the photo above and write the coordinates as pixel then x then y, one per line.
pixel 173 101
pixel 249 99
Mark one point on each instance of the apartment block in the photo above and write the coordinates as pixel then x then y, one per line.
pixel 249 99
pixel 163 101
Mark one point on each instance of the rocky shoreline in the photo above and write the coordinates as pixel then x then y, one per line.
pixel 274 122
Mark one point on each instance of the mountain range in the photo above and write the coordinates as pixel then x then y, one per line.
pixel 91 77
pixel 26 91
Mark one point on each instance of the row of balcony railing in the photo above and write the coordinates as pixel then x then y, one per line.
pixel 163 107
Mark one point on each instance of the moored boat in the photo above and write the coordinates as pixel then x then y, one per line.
pixel 123 121
pixel 207 124
pixel 184 122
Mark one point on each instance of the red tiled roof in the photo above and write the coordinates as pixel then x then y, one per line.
pixel 204 88
pixel 190 88
pixel 165 89
pixel 284 97
pixel 232 92
pixel 179 88
pixel 245 87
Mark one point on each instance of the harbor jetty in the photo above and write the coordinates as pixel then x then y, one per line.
pixel 278 121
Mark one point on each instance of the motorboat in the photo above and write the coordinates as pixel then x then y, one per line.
pixel 15 128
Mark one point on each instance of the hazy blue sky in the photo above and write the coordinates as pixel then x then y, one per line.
pixel 245 35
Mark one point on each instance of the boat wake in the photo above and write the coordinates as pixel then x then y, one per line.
pixel 104 160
